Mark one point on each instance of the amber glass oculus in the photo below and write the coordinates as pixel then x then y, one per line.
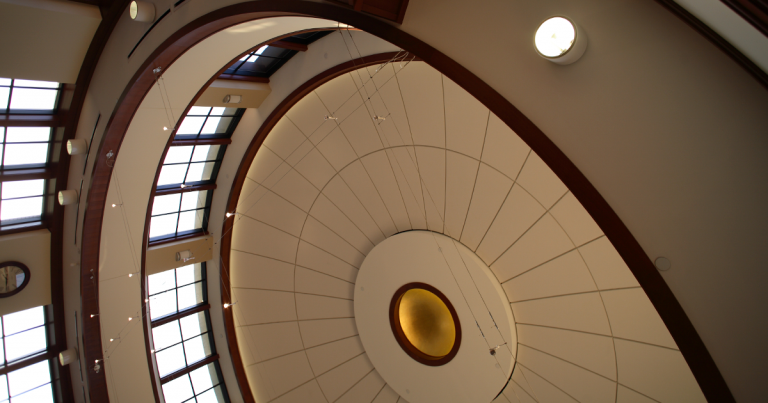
pixel 425 324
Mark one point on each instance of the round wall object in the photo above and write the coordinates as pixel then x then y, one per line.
pixel 560 41
pixel 67 357
pixel 142 11
pixel 76 147
pixel 67 197
pixel 663 263
pixel 447 294
pixel 14 277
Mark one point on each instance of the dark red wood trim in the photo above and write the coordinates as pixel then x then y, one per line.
pixel 379 12
pixel 33 120
pixel 401 12
pixel 27 174
pixel 707 32
pixel 16 230
pixel 162 192
pixel 189 369
pixel 177 316
pixel 358 5
pixel 201 142
pixel 289 45
pixel 47 355
pixel 679 325
pixel 250 79
pixel 751 13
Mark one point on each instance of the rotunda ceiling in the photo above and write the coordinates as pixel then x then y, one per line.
pixel 399 147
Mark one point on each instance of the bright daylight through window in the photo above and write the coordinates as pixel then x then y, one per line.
pixel 24 338
pixel 184 350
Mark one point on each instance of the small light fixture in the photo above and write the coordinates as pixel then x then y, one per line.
pixel 165 128
pixel 185 255
pixel 76 147
pixel 67 357
pixel 130 319
pixel 142 11
pixel 662 263
pixel 67 197
pixel 560 41
pixel 226 306
pixel 233 99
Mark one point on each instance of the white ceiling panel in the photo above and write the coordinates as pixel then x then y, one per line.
pixel 307 393
pixel 543 390
pixel 330 355
pixel 273 340
pixel 342 197
pixel 337 221
pixel 273 210
pixel 626 395
pixel 318 307
pixel 317 332
pixel 633 317
pixel 607 267
pixel 566 274
pixel 491 188
pixel 541 182
pixel 431 164
pixel 296 189
pixel 503 149
pixel 575 220
pixel 460 175
pixel 283 374
pixel 356 177
pixel 260 272
pixel 381 172
pixel 582 312
pixel 406 172
pixel 422 90
pixel 466 121
pixel 281 303
pixel 316 168
pixel 337 149
pixel 251 236
pixel 365 390
pixel 387 395
pixel 339 380
pixel 324 238
pixel 314 258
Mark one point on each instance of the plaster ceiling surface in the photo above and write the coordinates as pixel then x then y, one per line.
pixel 321 194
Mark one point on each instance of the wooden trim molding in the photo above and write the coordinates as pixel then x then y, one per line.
pixel 12 120
pixel 189 369
pixel 27 174
pixel 754 12
pixel 289 45
pixel 238 77
pixel 201 142
pixel 179 315
pixel 693 349
pixel 195 188
pixel 707 32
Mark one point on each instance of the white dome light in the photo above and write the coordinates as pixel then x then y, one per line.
pixel 560 41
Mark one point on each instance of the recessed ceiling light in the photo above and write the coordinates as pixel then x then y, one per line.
pixel 142 11
pixel 560 41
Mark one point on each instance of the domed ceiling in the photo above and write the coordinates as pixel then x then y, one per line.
pixel 361 159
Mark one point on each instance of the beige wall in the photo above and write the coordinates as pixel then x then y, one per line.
pixel 163 257
pixel 48 39
pixel 34 250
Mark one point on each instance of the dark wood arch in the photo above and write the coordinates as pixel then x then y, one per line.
pixel 692 347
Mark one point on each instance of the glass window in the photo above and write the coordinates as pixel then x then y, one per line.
pixel 181 343
pixel 24 147
pixel 22 335
pixel 179 214
pixel 175 290
pixel 28 96
pixel 190 165
pixel 204 384
pixel 208 122
pixel 21 201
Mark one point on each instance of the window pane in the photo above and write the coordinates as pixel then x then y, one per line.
pixel 177 390
pixel 166 335
pixel 34 83
pixel 5 81
pixel 29 377
pixel 23 320
pixel 193 200
pixel 199 110
pixel 189 274
pixel 215 395
pixel 216 125
pixel 205 153
pixel 193 325
pixel 170 360
pixel 22 209
pixel 166 204
pixel 204 378
pixel 162 225
pixel 223 111
pixel 24 154
pixel 26 134
pixel 2 134
pixel 4 93
pixel 191 220
pixel 25 343
pixel 160 282
pixel 162 304
pixel 197 349
pixel 3 387
pixel 191 125
pixel 178 154
pixel 200 171
pixel 172 174
pixel 16 189
pixel 190 295
pixel 33 99
pixel 43 394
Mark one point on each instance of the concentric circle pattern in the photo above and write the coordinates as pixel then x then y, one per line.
pixel 411 150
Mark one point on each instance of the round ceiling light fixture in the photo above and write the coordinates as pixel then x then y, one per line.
pixel 425 324
pixel 142 11
pixel 560 41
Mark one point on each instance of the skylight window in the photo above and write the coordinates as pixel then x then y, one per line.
pixel 190 165
pixel 173 291
pixel 23 335
pixel 21 201
pixel 207 122
pixel 24 147
pixel 253 56
pixel 28 96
